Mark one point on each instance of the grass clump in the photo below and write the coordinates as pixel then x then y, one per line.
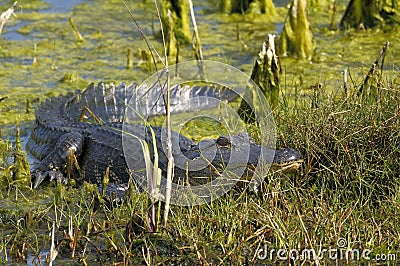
pixel 351 143
pixel 347 190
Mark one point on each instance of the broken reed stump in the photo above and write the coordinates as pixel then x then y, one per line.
pixel 196 44
pixel 369 13
pixel 373 81
pixel 79 37
pixel 296 38
pixel 5 16
pixel 247 6
pixel 265 74
pixel 129 59
pixel 176 23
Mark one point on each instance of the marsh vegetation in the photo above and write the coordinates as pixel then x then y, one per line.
pixel 348 187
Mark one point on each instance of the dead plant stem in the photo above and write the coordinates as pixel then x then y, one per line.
pixel 196 44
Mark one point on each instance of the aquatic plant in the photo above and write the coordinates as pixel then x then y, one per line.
pixel 18 172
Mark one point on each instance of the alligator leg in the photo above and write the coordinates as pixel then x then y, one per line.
pixel 53 165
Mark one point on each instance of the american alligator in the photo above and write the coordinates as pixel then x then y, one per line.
pixel 89 123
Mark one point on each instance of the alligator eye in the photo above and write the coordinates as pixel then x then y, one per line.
pixel 223 141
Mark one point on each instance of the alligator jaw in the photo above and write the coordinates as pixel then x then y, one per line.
pixel 287 160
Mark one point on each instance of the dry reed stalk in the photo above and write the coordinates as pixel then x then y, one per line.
pixel 5 16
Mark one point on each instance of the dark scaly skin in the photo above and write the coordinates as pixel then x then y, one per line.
pixel 98 147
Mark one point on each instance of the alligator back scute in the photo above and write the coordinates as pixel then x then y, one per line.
pixel 148 100
pixel 51 111
pixel 199 98
pixel 106 101
pixel 51 123
pixel 109 102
